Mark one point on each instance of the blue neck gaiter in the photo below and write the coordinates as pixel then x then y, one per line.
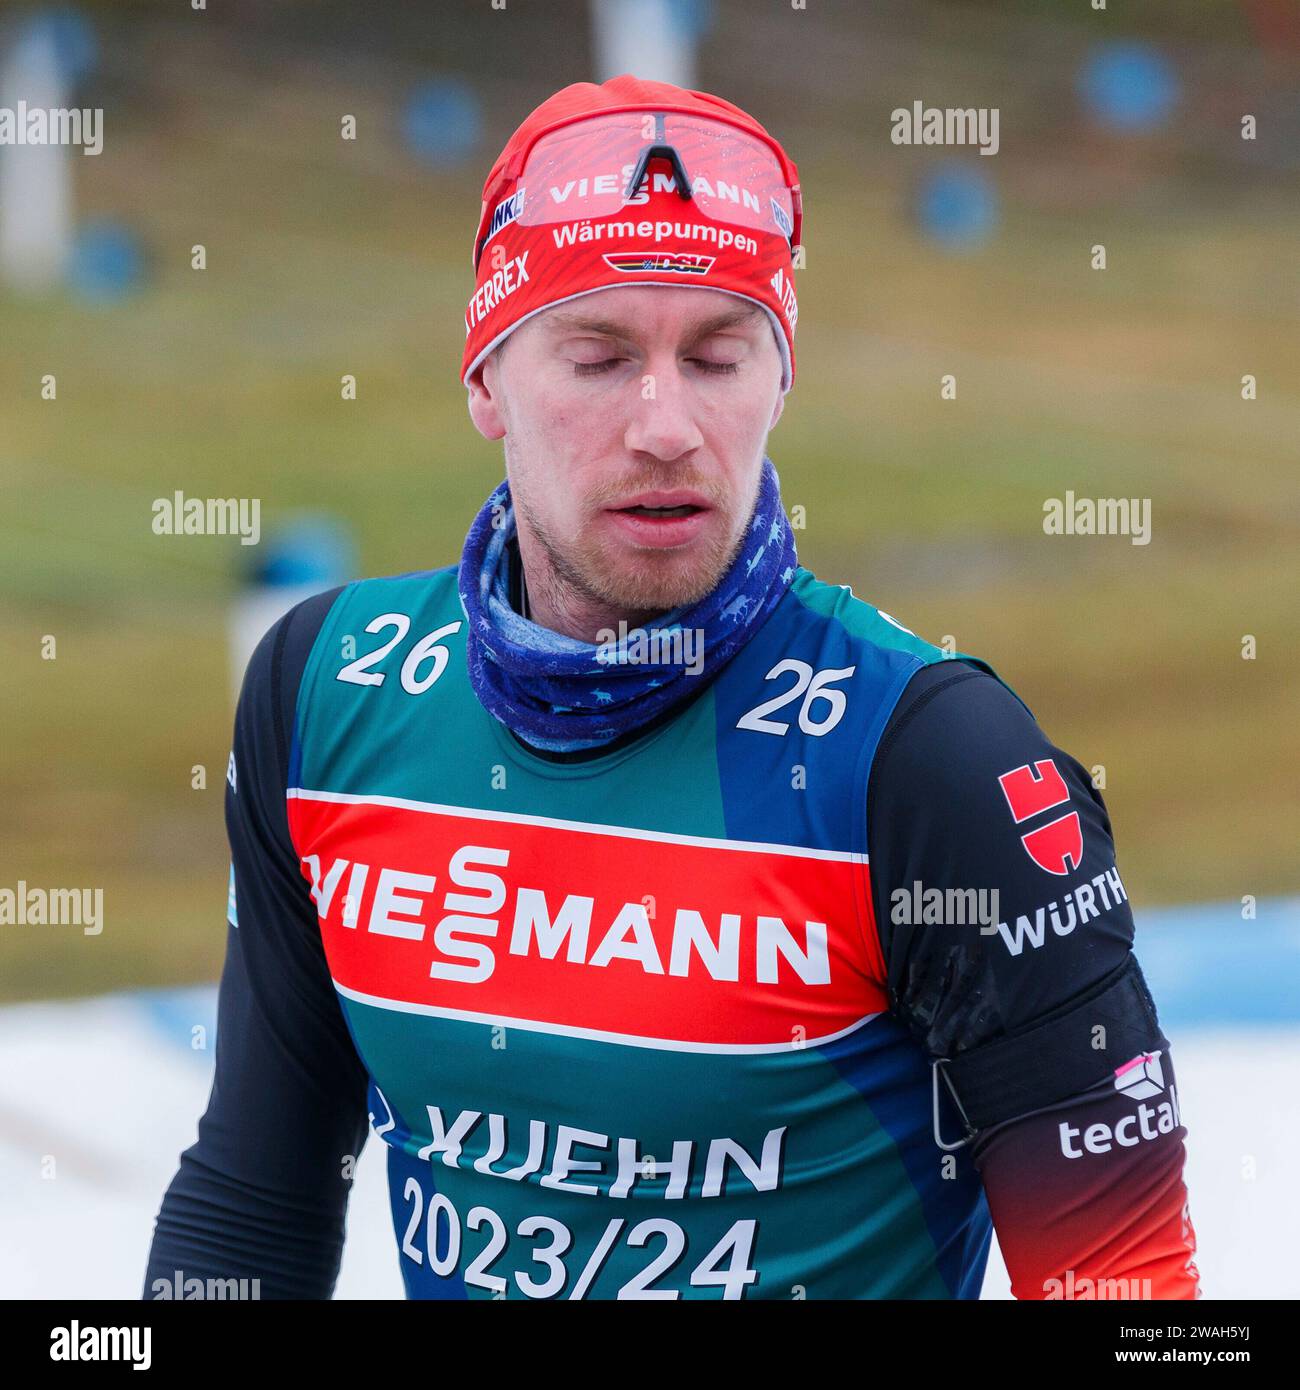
pixel 560 694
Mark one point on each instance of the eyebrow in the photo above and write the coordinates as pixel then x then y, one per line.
pixel 611 328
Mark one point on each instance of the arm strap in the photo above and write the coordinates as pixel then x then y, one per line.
pixel 1060 1056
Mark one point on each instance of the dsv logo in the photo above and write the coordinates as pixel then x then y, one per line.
pixel 1058 845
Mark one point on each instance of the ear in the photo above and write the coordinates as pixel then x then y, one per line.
pixel 485 398
pixel 777 409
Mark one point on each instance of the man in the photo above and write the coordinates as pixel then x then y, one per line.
pixel 685 927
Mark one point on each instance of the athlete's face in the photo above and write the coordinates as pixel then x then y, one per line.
pixel 635 422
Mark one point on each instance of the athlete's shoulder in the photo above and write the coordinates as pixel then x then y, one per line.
pixel 412 590
pixel 411 581
pixel 405 603
pixel 275 670
pixel 883 637
pixel 837 603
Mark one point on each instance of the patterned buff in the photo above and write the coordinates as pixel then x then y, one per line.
pixel 560 694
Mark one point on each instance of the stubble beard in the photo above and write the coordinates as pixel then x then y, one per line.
pixel 640 582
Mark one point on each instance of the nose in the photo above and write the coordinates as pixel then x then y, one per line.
pixel 663 420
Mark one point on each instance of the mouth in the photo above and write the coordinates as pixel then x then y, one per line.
pixel 661 519
pixel 685 509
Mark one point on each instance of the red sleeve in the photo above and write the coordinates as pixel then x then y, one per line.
pixel 1087 1196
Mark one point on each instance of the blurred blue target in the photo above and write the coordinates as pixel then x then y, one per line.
pixel 694 18
pixel 309 549
pixel 957 206
pixel 68 33
pixel 106 262
pixel 1129 86
pixel 442 121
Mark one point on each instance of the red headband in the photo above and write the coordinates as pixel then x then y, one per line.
pixel 574 230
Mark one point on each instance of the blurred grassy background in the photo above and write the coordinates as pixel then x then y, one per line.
pixel 326 257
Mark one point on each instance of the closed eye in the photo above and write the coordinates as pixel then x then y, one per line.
pixel 609 363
